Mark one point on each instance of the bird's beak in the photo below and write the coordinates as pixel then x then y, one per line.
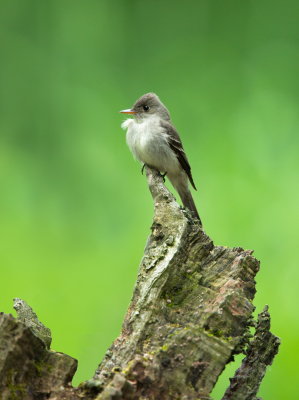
pixel 128 111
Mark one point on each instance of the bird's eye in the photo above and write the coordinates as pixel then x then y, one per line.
pixel 146 108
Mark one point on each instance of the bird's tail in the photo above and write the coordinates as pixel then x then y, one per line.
pixel 188 201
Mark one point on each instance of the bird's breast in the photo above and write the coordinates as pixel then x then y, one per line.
pixel 148 143
pixel 142 137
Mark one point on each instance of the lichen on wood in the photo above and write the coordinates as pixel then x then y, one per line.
pixel 190 313
pixel 28 369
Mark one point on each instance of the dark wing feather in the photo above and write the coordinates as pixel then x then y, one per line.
pixel 176 146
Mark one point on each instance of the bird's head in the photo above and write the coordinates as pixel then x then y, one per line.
pixel 148 105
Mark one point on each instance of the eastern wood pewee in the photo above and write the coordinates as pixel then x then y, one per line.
pixel 154 141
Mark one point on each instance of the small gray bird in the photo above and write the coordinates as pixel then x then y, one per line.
pixel 154 141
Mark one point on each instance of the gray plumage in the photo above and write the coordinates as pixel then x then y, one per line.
pixel 154 141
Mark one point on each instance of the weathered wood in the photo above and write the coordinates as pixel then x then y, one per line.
pixel 190 314
pixel 28 370
pixel 260 353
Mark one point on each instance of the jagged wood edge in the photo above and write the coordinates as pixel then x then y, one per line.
pixel 260 354
pixel 28 369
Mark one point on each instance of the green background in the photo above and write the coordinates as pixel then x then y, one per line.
pixel 75 210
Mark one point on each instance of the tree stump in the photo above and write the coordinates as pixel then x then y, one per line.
pixel 191 312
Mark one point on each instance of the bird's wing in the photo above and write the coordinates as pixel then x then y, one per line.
pixel 176 146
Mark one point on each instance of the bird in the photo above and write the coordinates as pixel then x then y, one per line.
pixel 154 141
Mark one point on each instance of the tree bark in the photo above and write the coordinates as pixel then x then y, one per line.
pixel 190 314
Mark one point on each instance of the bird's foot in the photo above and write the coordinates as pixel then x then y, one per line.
pixel 163 176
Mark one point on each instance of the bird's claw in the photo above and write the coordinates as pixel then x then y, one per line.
pixel 163 176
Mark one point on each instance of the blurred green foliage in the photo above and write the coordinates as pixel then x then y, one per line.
pixel 75 211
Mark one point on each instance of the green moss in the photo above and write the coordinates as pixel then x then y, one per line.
pixel 218 333
pixel 180 287
pixel 165 347
pixel 41 367
pixel 16 391
pixel 116 369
